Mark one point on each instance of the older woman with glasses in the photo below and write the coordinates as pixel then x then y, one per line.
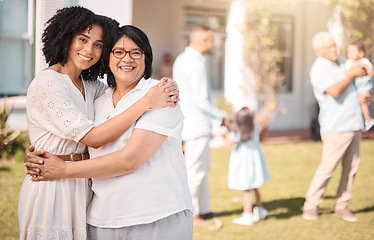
pixel 140 182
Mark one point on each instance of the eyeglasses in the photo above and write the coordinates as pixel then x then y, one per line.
pixel 134 54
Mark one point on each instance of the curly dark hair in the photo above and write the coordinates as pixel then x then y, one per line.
pixel 64 25
pixel 140 39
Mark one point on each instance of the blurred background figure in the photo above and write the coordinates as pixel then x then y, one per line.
pixel 356 53
pixel 166 67
pixel 190 72
pixel 341 122
pixel 247 168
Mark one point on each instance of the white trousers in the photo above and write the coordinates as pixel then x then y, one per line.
pixel 197 155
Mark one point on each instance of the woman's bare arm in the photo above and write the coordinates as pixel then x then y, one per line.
pixel 142 145
pixel 164 94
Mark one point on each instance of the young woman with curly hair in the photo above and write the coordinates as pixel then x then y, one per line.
pixel 60 111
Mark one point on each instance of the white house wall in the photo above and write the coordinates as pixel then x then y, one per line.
pixel 120 10
pixel 300 103
pixel 163 22
pixel 297 106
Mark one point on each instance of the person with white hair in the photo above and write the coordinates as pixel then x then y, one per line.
pixel 341 122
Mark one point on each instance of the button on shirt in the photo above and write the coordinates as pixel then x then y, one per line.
pixel 190 72
pixel 157 189
pixel 341 114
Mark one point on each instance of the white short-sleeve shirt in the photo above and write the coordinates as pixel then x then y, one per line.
pixel 157 189
pixel 58 119
pixel 190 72
pixel 341 114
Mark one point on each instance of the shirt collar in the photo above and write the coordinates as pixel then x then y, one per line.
pixel 142 84
pixel 193 51
pixel 326 61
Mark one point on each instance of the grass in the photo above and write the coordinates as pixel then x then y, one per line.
pixel 11 178
pixel 291 167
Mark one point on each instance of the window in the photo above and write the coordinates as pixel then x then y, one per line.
pixel 282 26
pixel 15 47
pixel 215 19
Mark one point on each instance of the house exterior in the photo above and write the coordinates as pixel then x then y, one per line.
pixel 167 24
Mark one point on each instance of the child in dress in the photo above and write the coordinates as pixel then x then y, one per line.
pixel 247 168
pixel 356 53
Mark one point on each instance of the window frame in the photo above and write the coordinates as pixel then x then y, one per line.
pixel 27 38
pixel 286 55
pixel 216 60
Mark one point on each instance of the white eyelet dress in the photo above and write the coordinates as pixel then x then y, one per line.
pixel 58 117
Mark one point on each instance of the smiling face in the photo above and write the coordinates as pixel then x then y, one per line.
pixel 354 53
pixel 86 48
pixel 127 71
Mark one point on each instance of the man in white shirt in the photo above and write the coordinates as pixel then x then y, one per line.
pixel 190 72
pixel 341 124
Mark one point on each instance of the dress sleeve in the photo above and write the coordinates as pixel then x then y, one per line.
pixel 51 106
pixel 165 121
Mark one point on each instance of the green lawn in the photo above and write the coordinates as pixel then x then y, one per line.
pixel 291 167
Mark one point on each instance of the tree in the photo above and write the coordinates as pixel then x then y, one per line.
pixel 356 17
pixel 7 136
pixel 261 58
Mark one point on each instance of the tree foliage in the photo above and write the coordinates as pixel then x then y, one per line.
pixel 7 136
pixel 356 18
pixel 261 58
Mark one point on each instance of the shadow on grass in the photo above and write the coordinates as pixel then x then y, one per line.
pixel 331 211
pixel 4 169
pixel 289 207
pixel 5 165
pixel 284 208
pixel 368 209
pixel 280 208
